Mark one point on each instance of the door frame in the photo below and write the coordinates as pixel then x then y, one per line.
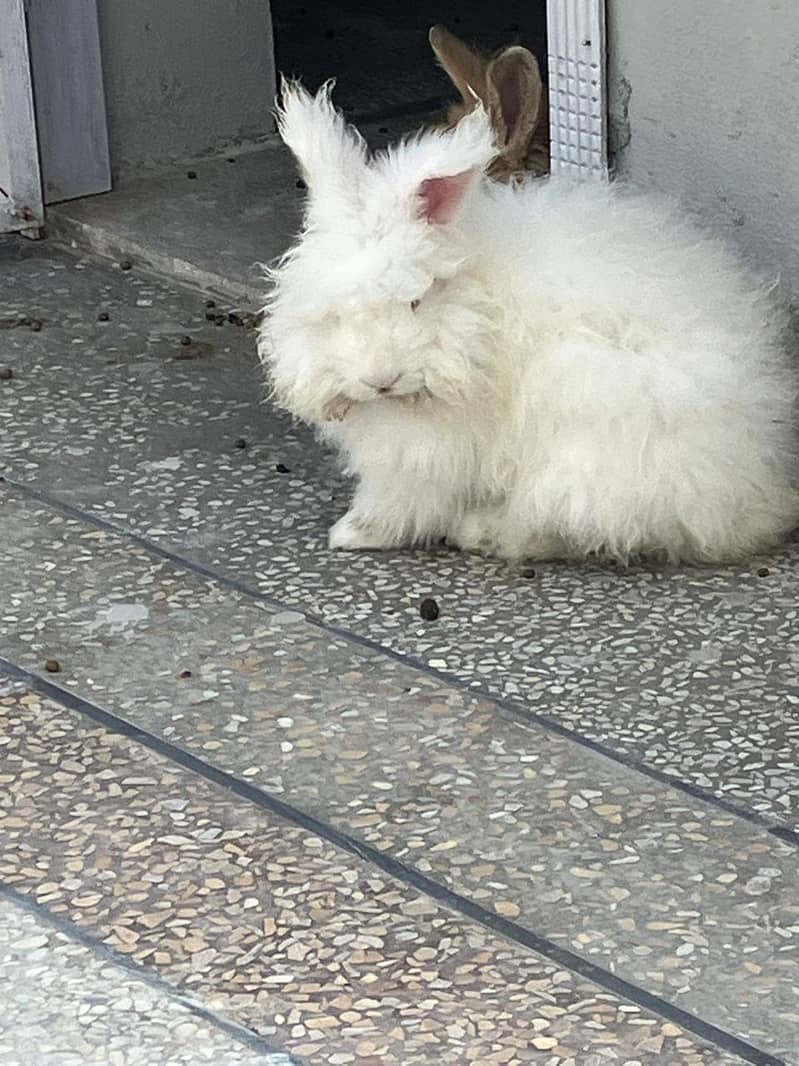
pixel 21 207
pixel 578 100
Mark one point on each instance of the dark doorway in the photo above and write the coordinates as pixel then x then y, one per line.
pixel 379 53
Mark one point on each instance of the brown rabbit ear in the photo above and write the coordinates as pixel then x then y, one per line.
pixel 465 67
pixel 515 92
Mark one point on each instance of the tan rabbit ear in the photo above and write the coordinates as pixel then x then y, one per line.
pixel 515 94
pixel 465 67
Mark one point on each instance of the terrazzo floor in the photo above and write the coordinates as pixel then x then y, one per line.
pixel 245 787
pixel 281 931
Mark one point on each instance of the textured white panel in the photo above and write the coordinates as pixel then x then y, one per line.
pixel 577 96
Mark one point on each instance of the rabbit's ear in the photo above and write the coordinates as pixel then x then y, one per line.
pixel 515 93
pixel 330 153
pixel 465 67
pixel 451 164
pixel 429 176
pixel 441 198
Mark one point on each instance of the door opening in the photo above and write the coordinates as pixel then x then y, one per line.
pixel 379 51
pixel 385 69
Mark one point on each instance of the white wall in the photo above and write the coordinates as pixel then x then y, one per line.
pixel 184 76
pixel 704 103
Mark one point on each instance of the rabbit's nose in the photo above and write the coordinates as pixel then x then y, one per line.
pixel 382 383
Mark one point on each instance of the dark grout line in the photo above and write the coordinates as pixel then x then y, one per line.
pixel 238 1032
pixel 787 834
pixel 408 875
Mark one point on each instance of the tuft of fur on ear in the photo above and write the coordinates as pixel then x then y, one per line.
pixel 429 176
pixel 331 154
pixel 467 147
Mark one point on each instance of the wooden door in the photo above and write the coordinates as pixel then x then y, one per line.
pixel 20 182
pixel 69 98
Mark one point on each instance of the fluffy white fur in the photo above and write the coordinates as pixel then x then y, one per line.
pixel 549 371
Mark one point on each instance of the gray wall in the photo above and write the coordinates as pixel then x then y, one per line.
pixel 183 77
pixel 704 103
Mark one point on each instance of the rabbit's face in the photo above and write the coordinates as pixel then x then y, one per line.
pixel 377 303
pixel 415 336
pixel 381 352
pixel 428 347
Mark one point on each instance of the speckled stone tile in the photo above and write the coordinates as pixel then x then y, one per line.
pixel 690 672
pixel 259 919
pixel 673 894
pixel 64 1005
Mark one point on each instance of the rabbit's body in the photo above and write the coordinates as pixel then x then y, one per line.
pixel 586 374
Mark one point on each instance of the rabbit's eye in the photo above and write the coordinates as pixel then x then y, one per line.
pixel 415 304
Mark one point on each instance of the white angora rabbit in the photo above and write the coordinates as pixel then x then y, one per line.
pixel 543 372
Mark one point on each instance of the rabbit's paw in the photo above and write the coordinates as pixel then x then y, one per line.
pixel 337 408
pixel 476 533
pixel 485 533
pixel 349 535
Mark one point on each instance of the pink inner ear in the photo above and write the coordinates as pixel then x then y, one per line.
pixel 441 197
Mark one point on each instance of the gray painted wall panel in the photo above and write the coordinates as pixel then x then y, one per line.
pixel 184 77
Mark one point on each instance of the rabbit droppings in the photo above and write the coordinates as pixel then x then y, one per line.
pixel 551 371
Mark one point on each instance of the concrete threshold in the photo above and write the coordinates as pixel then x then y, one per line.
pixel 206 224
